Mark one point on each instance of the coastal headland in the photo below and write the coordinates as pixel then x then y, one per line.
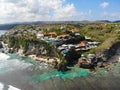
pixel 88 45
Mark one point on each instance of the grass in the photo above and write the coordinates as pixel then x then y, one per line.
pixel 106 34
pixel 102 32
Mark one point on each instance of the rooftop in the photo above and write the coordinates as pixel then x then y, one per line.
pixel 52 33
pixel 73 30
pixel 64 35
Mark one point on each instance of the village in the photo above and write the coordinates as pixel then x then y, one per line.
pixel 68 40
pixel 63 43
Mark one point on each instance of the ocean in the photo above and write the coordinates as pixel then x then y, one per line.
pixel 2 32
pixel 26 74
pixel 17 73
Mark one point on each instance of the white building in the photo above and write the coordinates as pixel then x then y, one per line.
pixel 39 35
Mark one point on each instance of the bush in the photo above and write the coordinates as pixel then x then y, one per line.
pixel 72 56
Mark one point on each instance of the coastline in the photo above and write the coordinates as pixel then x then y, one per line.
pixel 68 81
pixel 64 49
pixel 47 60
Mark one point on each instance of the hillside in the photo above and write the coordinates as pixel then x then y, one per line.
pixel 108 34
pixel 65 43
pixel 10 26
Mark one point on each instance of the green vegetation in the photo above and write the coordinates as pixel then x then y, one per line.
pixel 106 33
pixel 25 36
pixel 75 40
pixel 72 57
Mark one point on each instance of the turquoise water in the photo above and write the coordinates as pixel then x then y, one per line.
pixel 76 72
pixel 27 74
pixel 42 74
pixel 13 56
pixel 49 73
pixel 27 60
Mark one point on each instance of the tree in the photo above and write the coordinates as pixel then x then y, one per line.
pixel 72 57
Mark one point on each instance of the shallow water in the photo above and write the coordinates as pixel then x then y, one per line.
pixel 30 75
pixel 13 72
pixel 18 73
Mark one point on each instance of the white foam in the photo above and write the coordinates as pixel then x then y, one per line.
pixel 13 88
pixel 12 65
pixel 1 86
pixel 10 87
pixel 8 65
pixel 4 56
pixel 17 64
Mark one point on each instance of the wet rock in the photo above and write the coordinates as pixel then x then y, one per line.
pixel 100 64
pixel 1 45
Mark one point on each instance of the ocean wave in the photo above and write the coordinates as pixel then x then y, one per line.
pixel 7 87
pixel 9 65
pixel 4 56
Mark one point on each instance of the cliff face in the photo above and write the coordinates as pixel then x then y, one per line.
pixel 112 54
pixel 37 40
pixel 28 45
pixel 114 49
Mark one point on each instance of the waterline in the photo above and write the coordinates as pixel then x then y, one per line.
pixel 2 32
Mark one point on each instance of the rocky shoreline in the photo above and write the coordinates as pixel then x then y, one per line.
pixel 61 48
pixel 48 60
pixel 53 61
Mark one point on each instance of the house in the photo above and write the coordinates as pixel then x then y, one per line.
pixel 64 37
pixel 83 45
pixel 61 48
pixel 85 63
pixel 64 46
pixel 40 35
pixel 75 31
pixel 70 46
pixel 93 44
pixel 88 38
pixel 82 60
pixel 96 43
pixel 52 34
pixel 77 34
pixel 90 57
